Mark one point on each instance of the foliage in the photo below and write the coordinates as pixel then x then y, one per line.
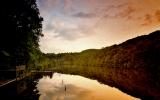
pixel 133 65
pixel 21 29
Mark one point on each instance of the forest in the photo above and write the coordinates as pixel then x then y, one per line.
pixel 131 65
pixel 20 32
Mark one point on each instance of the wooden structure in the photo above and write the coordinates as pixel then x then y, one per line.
pixel 11 68
pixel 20 71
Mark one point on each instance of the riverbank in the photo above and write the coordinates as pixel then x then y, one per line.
pixel 137 83
pixel 132 66
pixel 22 86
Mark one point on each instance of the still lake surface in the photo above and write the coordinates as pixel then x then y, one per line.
pixel 75 87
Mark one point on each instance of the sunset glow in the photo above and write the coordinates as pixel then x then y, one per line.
pixel 76 25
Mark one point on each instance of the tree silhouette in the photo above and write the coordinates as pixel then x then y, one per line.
pixel 21 29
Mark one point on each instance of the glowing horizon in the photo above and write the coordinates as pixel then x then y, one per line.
pixel 76 25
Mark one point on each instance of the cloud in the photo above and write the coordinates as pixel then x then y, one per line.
pixel 120 11
pixel 151 18
pixel 69 34
pixel 49 26
pixel 47 4
pixel 71 25
pixel 50 6
pixel 147 20
pixel 127 12
pixel 68 6
pixel 84 15
pixel 65 30
pixel 157 15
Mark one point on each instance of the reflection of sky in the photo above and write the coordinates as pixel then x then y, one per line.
pixel 75 25
pixel 77 88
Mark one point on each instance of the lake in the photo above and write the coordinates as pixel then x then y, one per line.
pixel 75 87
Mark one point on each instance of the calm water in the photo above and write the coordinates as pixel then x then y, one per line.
pixel 74 87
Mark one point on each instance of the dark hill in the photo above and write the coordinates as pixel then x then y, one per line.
pixel 132 66
pixel 137 65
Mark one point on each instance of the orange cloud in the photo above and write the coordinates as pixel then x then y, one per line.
pixel 157 15
pixel 127 12
pixel 147 20
pixel 122 11
pixel 151 18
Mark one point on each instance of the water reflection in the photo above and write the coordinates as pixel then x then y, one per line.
pixel 73 87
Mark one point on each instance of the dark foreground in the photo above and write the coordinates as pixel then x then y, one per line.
pixel 24 89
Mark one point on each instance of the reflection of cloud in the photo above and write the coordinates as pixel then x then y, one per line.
pixel 55 89
pixel 84 15
pixel 72 93
pixel 77 88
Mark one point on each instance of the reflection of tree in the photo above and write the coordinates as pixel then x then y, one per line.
pixel 134 61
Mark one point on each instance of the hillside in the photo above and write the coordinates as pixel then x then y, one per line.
pixel 132 66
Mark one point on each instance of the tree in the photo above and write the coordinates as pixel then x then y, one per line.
pixel 21 29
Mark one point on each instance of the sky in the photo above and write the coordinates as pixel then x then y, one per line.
pixel 76 25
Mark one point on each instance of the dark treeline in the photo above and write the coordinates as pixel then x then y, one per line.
pixel 21 27
pixel 133 66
